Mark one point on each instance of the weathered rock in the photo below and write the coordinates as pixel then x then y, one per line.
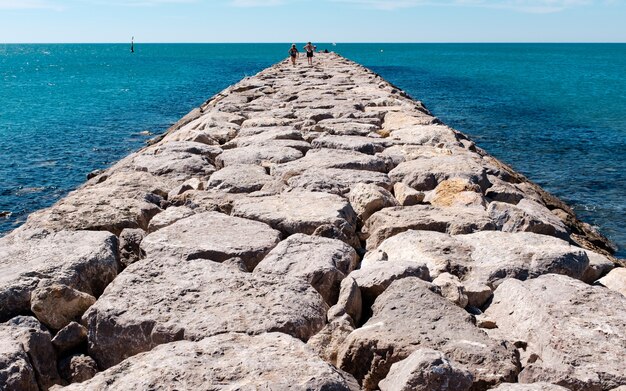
pixel 265 122
pixel 300 212
pixel 130 241
pixel 78 368
pixel 426 174
pixel 188 185
pixel 349 301
pixel 399 120
pixel 346 128
pixel 160 300
pixel 322 262
pixel 214 236
pixel 615 280
pixel 318 159
pixel 168 217
pixel 366 199
pixel 70 337
pixel 240 178
pixel 575 333
pixel 337 180
pixel 27 359
pixel 409 315
pixel 122 200
pixel 271 361
pixel 57 305
pixel 425 135
pixel 540 386
pixel 457 192
pixel 599 265
pixel 263 136
pixel 427 370
pixel 368 145
pixel 452 289
pixel 527 216
pixel 328 341
pixel 257 155
pixel 392 221
pixel 406 195
pixel 208 201
pixel 85 261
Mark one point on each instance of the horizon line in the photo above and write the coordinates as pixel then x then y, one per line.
pixel 319 43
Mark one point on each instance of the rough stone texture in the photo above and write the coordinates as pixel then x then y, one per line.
pixel 540 386
pixel 452 289
pixel 349 302
pixel 130 241
pixel 392 221
pixel 599 265
pixel 77 368
pixel 322 262
pixel 160 300
pixel 57 305
pixel 457 192
pixel 366 199
pixel 615 280
pixel 70 337
pixel 409 315
pixel 427 370
pixel 406 195
pixel 527 216
pixel 190 184
pixel 27 359
pixel 208 201
pixel 575 333
pixel 368 145
pixel 300 212
pixel 106 203
pixel 271 361
pixel 317 159
pixel 239 178
pixel 85 261
pixel 257 155
pixel 337 180
pixel 328 341
pixel 168 217
pixel 214 236
pixel 426 174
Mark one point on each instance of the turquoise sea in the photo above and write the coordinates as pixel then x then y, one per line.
pixel 555 112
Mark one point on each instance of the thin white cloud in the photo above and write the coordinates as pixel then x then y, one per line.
pixel 258 3
pixel 530 6
pixel 27 5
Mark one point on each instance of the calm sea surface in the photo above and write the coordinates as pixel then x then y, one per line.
pixel 555 112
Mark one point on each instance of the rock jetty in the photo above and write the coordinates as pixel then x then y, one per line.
pixel 310 228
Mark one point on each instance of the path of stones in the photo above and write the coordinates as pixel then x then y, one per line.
pixel 310 229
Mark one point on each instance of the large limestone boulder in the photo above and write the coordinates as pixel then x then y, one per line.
pixel 539 386
pixel 322 262
pixel 409 315
pixel 160 300
pixel 214 236
pixel 366 199
pixel 395 120
pixel 454 220
pixel 527 216
pixel 427 173
pixel 301 212
pixel 85 261
pixel 270 361
pixel 317 159
pixel 575 333
pixel 257 155
pixel 107 203
pixel 427 370
pixel 368 145
pixel 57 305
pixel 27 359
pixel 615 280
pixel 336 180
pixel 239 178
pixel 264 136
pixel 425 135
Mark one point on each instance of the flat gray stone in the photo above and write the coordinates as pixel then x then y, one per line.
pixel 336 180
pixel 527 216
pixel 368 145
pixel 257 155
pixel 85 261
pixel 322 262
pixel 575 333
pixel 270 361
pixel 239 178
pixel 161 300
pixel 214 236
pixel 317 159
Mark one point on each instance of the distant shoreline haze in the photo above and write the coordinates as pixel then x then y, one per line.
pixel 556 112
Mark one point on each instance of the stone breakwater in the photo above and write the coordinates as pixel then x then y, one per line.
pixel 310 228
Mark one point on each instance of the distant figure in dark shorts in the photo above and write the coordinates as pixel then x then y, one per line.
pixel 309 48
pixel 293 54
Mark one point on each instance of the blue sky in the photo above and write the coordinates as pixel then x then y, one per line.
pixel 316 20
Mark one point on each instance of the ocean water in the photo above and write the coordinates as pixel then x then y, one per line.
pixel 555 112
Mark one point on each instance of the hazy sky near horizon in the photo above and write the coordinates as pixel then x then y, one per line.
pixel 25 21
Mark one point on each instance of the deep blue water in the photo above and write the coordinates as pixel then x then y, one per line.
pixel 555 112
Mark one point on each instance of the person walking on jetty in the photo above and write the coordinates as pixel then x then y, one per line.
pixel 293 54
pixel 309 48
